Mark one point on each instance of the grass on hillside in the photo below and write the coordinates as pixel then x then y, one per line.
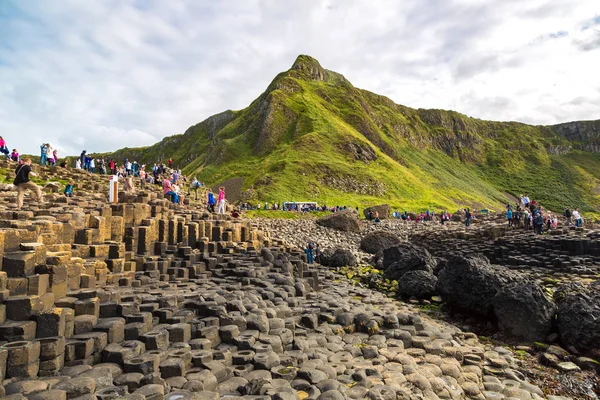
pixel 290 144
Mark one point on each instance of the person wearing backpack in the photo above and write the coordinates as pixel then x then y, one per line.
pixel 196 185
pixel 23 183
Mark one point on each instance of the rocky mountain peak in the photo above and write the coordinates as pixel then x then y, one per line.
pixel 309 67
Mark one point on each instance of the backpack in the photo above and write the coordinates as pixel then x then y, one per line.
pixel 19 170
pixel 196 184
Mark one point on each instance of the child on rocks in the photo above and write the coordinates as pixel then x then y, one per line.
pixel 69 189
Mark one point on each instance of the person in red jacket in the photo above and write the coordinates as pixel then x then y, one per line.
pixel 170 163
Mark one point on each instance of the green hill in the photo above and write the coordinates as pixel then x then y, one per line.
pixel 313 136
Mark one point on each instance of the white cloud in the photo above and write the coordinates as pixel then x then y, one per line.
pixel 108 74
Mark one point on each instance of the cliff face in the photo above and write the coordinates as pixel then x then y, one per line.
pixel 584 134
pixel 313 135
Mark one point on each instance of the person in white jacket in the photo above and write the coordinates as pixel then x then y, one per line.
pixel 577 217
pixel 50 154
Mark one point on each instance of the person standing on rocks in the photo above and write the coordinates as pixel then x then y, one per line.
pixel 467 217
pixel 142 178
pixel 82 159
pixel 196 185
pixel 49 154
pixel 310 256
pixel 23 183
pixel 509 215
pixel 221 209
pixel 170 163
pixel 539 223
pixel 210 201
pixel 567 215
pixel 43 157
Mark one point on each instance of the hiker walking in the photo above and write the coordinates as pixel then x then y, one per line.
pixel 23 183
pixel 467 217
pixel 221 209
pixel 196 185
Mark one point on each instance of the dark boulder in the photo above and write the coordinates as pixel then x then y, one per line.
pixel 345 221
pixel 469 283
pixel 458 216
pixel 375 242
pixel 338 258
pixel 420 284
pixel 523 310
pixel 578 318
pixel 406 257
pixel 384 211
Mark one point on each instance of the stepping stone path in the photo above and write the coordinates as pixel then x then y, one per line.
pixel 147 300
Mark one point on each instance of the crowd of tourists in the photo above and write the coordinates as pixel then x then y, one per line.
pixel 526 214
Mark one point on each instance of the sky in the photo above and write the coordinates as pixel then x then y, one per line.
pixel 102 75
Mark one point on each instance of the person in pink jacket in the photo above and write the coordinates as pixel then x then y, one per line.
pixel 221 209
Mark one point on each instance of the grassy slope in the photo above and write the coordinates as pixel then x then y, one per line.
pixel 289 143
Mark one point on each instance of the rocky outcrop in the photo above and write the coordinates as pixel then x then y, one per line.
pixel 469 283
pixel 419 284
pixel 585 134
pixel 375 242
pixel 384 211
pixel 523 310
pixel 405 257
pixel 345 221
pixel 578 318
pixel 473 285
pixel 338 258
